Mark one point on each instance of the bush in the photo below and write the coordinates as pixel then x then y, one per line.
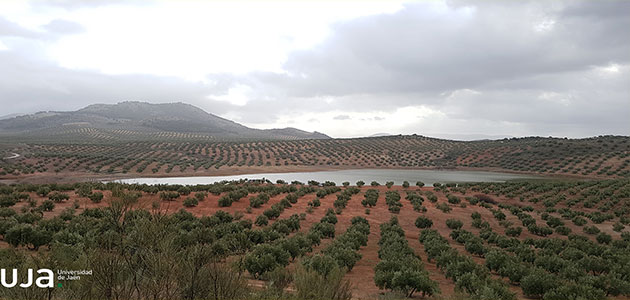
pixel 200 196
pixel 58 197
pixel 618 227
pixel 371 197
pixel 443 207
pixel 579 221
pixel 400 269
pixel 423 222
pixel 454 224
pixel 6 212
pixel 312 285
pixel 48 205
pixel 261 220
pixel 264 258
pixel 453 199
pixel 96 197
pixel 513 231
pixel 563 230
pixel 604 238
pixel 43 191
pixel 7 201
pixel 191 202
pixel 591 229
pixel 537 283
pixel 169 196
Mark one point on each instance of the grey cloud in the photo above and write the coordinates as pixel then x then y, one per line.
pixel 64 27
pixel 11 29
pixel 341 117
pixel 40 85
pixel 412 51
pixel 77 4
pixel 413 57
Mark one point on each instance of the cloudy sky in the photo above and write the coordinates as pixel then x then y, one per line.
pixel 454 69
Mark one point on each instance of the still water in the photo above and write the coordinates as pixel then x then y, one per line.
pixel 367 175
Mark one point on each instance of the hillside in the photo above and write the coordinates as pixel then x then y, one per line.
pixel 533 228
pixel 137 121
pixel 602 157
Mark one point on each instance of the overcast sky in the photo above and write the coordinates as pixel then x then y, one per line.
pixel 454 69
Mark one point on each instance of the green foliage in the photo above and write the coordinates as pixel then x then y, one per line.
pixel 423 222
pixel 371 197
pixel 264 258
pixel 444 207
pixel 96 197
pixel 312 285
pixel 7 201
pixel 538 282
pixel 400 269
pixel 454 224
pixel 48 205
pixel 261 220
pixel 191 202
pixel 169 196
pixel 392 199
pixel 58 197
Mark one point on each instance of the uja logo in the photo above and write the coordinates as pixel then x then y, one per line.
pixel 45 279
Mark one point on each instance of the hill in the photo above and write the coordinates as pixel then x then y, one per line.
pixel 183 155
pixel 138 121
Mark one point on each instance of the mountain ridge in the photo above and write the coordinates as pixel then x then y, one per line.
pixel 146 117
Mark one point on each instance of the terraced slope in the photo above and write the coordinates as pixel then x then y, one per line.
pixel 188 153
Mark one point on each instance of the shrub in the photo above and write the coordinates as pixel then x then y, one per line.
pixel 43 191
pixel 618 227
pixel 371 197
pixel 312 285
pixel 579 221
pixel 58 197
pixel 169 196
pixel 6 212
pixel 537 283
pixel 96 197
pixel 591 229
pixel 603 238
pixel 454 224
pixel 513 231
pixel 453 199
pixel 7 201
pixel 225 201
pixel 191 202
pixel 563 230
pixel 423 222
pixel 261 220
pixel 264 258
pixel 48 205
pixel 201 196
pixel 444 207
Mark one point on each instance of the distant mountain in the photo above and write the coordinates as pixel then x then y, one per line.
pixel 380 134
pixel 9 116
pixel 146 118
